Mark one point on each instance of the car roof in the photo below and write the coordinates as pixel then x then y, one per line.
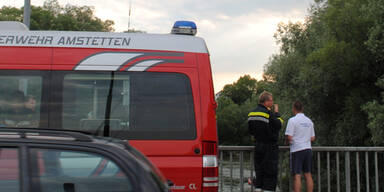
pixel 69 138
pixel 59 135
pixel 73 138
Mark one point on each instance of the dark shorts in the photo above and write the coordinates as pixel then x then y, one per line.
pixel 301 161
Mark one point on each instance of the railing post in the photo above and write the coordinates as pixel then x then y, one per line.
pixel 252 167
pixel 281 158
pixel 318 171
pixel 358 171
pixel 347 173
pixel 241 171
pixel 328 173
pixel 376 173
pixel 280 169
pixel 290 185
pixel 338 171
pixel 367 170
pixel 221 170
pixel 231 168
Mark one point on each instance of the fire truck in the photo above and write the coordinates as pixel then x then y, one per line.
pixel 153 90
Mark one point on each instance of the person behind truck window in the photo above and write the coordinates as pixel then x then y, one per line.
pixel 13 108
pixel 264 124
pixel 3 104
pixel 30 103
pixel 300 133
pixel 19 111
pixel 30 106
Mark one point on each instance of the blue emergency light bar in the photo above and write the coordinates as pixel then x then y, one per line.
pixel 184 28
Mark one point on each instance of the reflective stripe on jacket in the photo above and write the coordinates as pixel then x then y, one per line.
pixel 264 125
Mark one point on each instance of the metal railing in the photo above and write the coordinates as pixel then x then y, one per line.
pixel 334 169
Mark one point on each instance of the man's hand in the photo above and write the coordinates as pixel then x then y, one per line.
pixel 312 139
pixel 276 108
pixel 288 139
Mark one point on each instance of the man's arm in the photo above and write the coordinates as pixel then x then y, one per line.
pixel 288 139
pixel 276 120
pixel 312 133
pixel 289 132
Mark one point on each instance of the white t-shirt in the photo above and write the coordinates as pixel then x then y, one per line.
pixel 300 127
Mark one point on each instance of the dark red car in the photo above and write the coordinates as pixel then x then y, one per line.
pixel 37 160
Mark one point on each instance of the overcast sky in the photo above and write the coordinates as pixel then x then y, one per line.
pixel 239 33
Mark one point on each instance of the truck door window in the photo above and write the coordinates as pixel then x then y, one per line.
pixel 20 100
pixel 85 100
pixel 65 170
pixel 9 170
pixel 133 105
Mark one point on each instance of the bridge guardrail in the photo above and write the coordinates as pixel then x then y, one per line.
pixel 334 168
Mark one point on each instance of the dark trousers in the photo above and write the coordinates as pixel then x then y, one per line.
pixel 266 160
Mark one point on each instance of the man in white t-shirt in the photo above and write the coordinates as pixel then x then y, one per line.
pixel 300 133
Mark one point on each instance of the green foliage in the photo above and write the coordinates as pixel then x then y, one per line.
pixel 375 111
pixel 330 64
pixel 52 16
pixel 234 103
pixel 230 120
pixel 375 11
pixel 11 14
pixel 241 90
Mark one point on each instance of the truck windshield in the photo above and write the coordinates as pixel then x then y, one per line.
pixel 138 105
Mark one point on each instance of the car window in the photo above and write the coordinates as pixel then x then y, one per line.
pixel 64 171
pixel 9 170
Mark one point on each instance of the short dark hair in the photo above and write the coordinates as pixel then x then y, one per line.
pixel 298 106
pixel 265 96
pixel 28 97
pixel 17 96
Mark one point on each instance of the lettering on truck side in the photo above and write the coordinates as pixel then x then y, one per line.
pixel 63 40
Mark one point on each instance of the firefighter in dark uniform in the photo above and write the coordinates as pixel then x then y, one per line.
pixel 264 124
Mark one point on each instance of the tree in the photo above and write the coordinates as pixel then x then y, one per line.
pixel 375 11
pixel 230 122
pixel 52 16
pixel 241 90
pixel 375 43
pixel 11 14
pixel 375 111
pixel 327 64
pixel 234 103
